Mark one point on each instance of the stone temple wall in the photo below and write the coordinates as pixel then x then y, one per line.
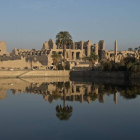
pixel 42 59
pixel 74 53
pixel 6 58
pixel 22 62
pixel 19 64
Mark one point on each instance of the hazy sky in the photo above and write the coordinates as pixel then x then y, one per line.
pixel 29 23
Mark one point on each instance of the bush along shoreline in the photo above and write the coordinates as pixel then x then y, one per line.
pixel 129 65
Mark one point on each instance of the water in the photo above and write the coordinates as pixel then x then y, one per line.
pixel 88 110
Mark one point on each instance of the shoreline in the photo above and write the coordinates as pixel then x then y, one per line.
pixel 104 74
pixel 33 74
pixel 65 73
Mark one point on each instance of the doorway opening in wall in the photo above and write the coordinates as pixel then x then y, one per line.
pixel 78 55
pixel 72 55
pixel 36 67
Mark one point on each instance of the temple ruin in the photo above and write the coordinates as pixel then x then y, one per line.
pixel 41 59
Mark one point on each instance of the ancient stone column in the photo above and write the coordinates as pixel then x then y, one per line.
pixel 88 50
pixel 69 55
pixel 73 46
pixel 80 89
pixel 101 45
pixel 116 48
pixel 74 55
pixel 96 49
pixel 80 55
pixel 81 45
pixel 89 45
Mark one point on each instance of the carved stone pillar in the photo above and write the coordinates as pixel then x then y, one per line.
pixel 74 55
pixel 73 46
pixel 81 45
pixel 70 55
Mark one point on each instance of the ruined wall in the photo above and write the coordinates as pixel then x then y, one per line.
pixel 45 45
pixel 119 55
pixel 19 51
pixel 6 58
pixel 102 55
pixel 23 50
pixel 16 61
pixel 48 45
pixel 21 64
pixel 43 59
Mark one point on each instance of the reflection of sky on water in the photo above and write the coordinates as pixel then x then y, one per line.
pixel 29 116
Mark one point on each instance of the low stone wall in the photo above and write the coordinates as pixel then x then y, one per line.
pixel 18 74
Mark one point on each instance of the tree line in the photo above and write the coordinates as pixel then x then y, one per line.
pixel 130 64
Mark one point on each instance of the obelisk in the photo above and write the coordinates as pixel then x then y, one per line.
pixel 115 51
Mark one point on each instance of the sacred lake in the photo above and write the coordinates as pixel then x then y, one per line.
pixel 71 109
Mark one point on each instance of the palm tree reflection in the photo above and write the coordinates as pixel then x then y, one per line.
pixel 64 113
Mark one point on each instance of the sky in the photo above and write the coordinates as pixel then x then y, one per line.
pixel 29 23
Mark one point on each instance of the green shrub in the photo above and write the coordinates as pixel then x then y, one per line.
pixel 129 64
pixel 60 67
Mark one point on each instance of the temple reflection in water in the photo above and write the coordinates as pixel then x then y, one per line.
pixel 61 88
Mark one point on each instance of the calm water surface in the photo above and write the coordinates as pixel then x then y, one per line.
pixel 41 109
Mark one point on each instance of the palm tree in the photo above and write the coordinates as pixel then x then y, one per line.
pixel 63 38
pixel 136 49
pixel 70 43
pixel 130 49
pixel 56 58
pixel 92 58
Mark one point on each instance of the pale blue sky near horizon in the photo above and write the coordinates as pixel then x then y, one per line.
pixel 29 23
